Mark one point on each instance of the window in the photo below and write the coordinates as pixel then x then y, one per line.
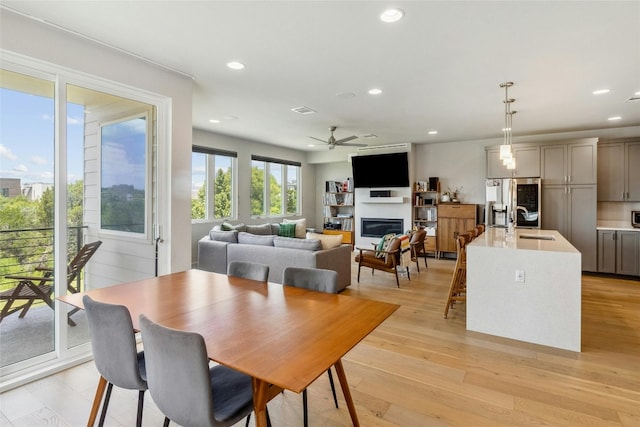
pixel 123 194
pixel 275 186
pixel 212 184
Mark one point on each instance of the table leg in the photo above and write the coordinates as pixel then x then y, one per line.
pixel 260 399
pixel 102 384
pixel 347 394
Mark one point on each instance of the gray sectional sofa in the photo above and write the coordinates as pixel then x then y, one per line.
pixel 263 245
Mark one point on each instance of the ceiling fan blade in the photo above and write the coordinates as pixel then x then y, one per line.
pixel 318 139
pixel 349 138
pixel 354 145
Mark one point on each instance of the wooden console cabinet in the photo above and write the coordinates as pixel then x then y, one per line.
pixel 454 219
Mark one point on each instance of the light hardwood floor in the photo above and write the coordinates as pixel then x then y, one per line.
pixel 418 369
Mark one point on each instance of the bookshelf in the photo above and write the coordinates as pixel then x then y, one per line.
pixel 425 213
pixel 338 210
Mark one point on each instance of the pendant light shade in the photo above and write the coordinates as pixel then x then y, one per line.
pixel 506 149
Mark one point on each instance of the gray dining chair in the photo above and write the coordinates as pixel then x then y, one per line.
pixel 183 386
pixel 320 280
pixel 248 270
pixel 114 351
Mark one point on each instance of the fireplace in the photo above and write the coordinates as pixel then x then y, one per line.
pixel 378 227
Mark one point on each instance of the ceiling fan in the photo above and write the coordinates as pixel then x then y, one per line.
pixel 333 142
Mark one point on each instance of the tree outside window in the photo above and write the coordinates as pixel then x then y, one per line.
pixel 212 184
pixel 283 187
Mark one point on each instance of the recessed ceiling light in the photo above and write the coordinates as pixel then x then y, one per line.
pixel 433 132
pixel 375 91
pixel 234 65
pixel 601 91
pixel 311 145
pixel 614 118
pixel 392 15
pixel 214 121
pixel 637 93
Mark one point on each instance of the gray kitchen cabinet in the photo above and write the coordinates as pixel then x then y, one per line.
pixel 619 252
pixel 572 163
pixel 571 210
pixel 527 162
pixel 618 172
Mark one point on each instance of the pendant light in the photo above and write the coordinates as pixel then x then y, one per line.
pixel 506 149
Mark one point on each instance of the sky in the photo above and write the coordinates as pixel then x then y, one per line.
pixel 27 142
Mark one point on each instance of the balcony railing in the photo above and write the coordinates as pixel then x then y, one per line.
pixel 22 250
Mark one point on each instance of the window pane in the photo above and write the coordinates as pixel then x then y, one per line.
pixel 292 189
pixel 198 185
pixel 257 188
pixel 222 187
pixel 123 175
pixel 275 188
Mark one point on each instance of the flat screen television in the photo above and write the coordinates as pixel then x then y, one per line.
pixel 381 170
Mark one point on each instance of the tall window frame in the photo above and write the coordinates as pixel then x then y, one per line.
pixel 212 170
pixel 282 196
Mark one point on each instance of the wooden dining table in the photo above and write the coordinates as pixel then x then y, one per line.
pixel 283 337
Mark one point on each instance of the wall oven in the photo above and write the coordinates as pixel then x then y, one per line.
pixel 635 219
pixel 526 202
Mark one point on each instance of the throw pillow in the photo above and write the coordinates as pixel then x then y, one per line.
pixel 262 230
pixel 255 239
pixel 384 244
pixel 224 236
pixel 225 226
pixel 328 240
pixel 287 230
pixel 301 226
pixel 295 243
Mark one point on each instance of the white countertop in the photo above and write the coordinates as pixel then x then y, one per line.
pixel 615 225
pixel 497 238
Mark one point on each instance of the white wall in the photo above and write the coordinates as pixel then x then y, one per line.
pixel 245 148
pixel 40 42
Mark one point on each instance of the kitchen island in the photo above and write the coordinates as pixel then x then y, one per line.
pixel 525 287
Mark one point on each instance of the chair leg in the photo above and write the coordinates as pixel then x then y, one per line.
pixel 248 419
pixel 359 266
pixel 397 280
pixel 140 407
pixel 333 387
pixel 305 414
pixel 166 422
pixel 105 405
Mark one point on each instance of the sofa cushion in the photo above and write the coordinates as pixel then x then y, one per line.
pixel 262 230
pixel 328 240
pixel 295 243
pixel 287 230
pixel 225 226
pixel 255 239
pixel 301 226
pixel 224 236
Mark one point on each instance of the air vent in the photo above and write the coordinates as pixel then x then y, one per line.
pixel 633 98
pixel 369 136
pixel 303 110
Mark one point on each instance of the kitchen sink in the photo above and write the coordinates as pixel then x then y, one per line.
pixel 537 236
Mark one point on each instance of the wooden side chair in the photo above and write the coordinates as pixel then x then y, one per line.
pixel 458 286
pixel 417 248
pixel 38 285
pixel 386 260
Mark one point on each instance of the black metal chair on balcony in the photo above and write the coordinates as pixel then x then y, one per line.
pixel 32 287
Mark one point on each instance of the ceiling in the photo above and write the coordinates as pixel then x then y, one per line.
pixel 439 68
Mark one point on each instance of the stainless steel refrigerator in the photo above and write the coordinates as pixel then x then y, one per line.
pixel 516 200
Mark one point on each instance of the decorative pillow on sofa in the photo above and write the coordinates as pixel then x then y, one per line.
pixel 262 230
pixel 328 240
pixel 224 236
pixel 255 239
pixel 225 226
pixel 295 243
pixel 287 230
pixel 301 226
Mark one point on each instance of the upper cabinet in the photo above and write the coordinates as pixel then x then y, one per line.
pixel 572 163
pixel 618 171
pixel 527 162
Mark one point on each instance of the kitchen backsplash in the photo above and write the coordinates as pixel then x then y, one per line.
pixel 616 211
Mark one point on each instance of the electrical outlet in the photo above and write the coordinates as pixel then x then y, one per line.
pixel 520 276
